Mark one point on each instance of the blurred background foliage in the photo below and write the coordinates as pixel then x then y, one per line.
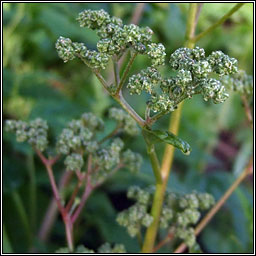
pixel 36 83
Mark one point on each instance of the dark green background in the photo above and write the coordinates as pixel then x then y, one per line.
pixel 36 83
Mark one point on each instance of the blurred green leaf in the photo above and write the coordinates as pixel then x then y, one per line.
pixel 7 248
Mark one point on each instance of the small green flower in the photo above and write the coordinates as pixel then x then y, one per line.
pixel 74 162
pixel 157 54
pixel 35 132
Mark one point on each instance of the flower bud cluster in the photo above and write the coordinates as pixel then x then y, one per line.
pixel 146 80
pixel 213 89
pixel 124 121
pixel 136 216
pixel 198 67
pixel 107 158
pixel 74 162
pixel 192 66
pixel 132 160
pixel 35 132
pixel 157 54
pixel 68 50
pixel 240 82
pixel 192 77
pixel 222 64
pixel 115 37
pixel 105 248
pixel 80 139
pixel 73 138
pixel 180 212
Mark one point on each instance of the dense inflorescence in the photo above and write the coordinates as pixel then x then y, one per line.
pixel 179 213
pixel 104 248
pixel 192 77
pixel 239 82
pixel 115 39
pixel 193 68
pixel 34 132
pixel 81 138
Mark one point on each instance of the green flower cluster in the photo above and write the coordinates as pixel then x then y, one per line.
pixel 105 248
pixel 180 212
pixel 146 80
pixel 80 139
pixel 136 216
pixel 124 121
pixel 240 82
pixel 114 39
pixel 107 158
pixel 35 132
pixel 68 50
pixel 193 71
pixel 157 54
pixel 74 162
pixel 193 67
pixel 132 160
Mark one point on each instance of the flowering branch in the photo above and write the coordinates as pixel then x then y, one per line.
pixel 247 171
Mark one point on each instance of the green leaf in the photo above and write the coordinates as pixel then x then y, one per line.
pixel 155 136
pixel 7 248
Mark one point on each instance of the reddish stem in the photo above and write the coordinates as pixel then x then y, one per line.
pixel 73 196
pixel 86 194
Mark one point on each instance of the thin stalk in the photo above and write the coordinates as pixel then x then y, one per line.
pixel 191 24
pixel 96 72
pixel 151 232
pixel 32 189
pixel 218 23
pixel 169 150
pixel 84 198
pixel 154 160
pixel 126 72
pixel 139 238
pixel 69 234
pixel 247 171
pixel 87 191
pixel 247 110
pixel 73 196
pixel 137 13
pixel 120 99
pixel 22 214
pixel 116 72
pixel 165 241
pixel 52 210
pixel 110 135
pixel 55 190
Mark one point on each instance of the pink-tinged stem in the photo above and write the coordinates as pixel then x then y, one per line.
pixel 86 194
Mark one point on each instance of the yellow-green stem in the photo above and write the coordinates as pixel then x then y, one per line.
pixel 219 22
pixel 151 232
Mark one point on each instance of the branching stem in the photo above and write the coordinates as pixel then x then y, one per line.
pixel 218 23
pixel 126 72
pixel 151 232
pixel 247 171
